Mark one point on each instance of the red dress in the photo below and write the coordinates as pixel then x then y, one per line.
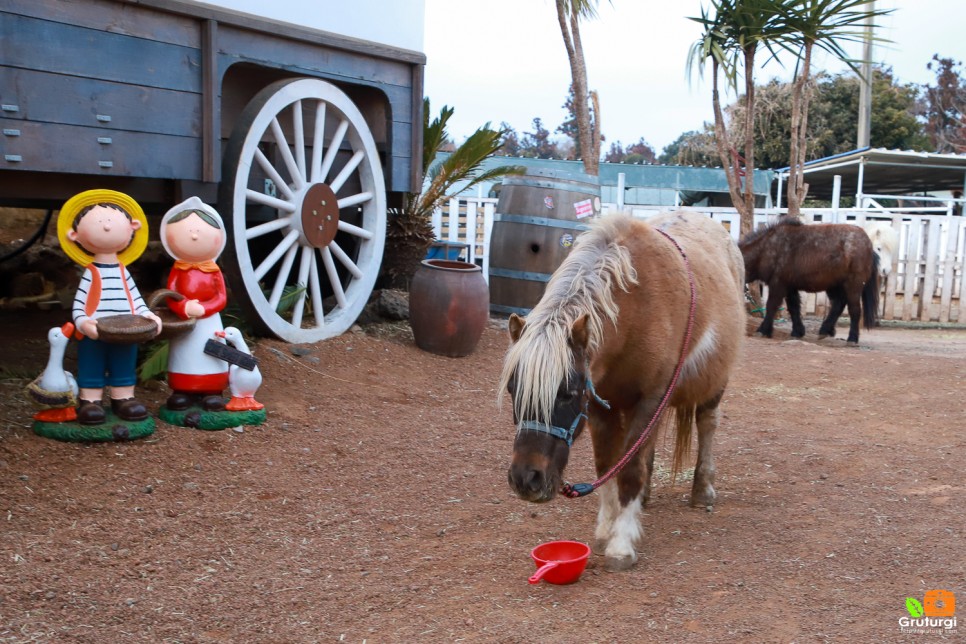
pixel 190 369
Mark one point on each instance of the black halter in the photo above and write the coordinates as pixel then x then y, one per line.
pixel 567 434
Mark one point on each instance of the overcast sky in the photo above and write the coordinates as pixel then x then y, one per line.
pixel 504 60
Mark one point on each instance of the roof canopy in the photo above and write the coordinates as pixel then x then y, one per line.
pixel 884 172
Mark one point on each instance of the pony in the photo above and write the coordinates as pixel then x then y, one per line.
pixel 640 317
pixel 885 241
pixel 790 256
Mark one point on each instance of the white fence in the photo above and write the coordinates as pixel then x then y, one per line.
pixel 925 284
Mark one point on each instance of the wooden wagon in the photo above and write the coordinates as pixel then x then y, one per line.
pixel 301 136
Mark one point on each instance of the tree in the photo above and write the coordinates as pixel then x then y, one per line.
pixel 586 105
pixel 695 148
pixel 833 114
pixel 944 108
pixel 537 144
pixel 511 141
pixel 731 39
pixel 410 232
pixel 639 152
pixel 806 24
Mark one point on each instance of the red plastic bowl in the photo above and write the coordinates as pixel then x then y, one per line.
pixel 559 562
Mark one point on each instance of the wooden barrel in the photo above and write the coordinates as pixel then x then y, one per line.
pixel 537 218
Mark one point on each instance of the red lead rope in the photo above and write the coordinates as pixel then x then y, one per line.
pixel 576 490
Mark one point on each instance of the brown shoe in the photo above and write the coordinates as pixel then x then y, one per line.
pixel 213 403
pixel 128 409
pixel 90 412
pixel 178 401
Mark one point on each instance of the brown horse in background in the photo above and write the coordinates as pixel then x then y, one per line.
pixel 790 256
pixel 615 326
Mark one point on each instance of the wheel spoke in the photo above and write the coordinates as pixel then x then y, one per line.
pixel 318 144
pixel 304 264
pixel 268 200
pixel 267 227
pixel 334 146
pixel 354 230
pixel 299 135
pixel 276 254
pixel 333 277
pixel 348 263
pixel 273 174
pixel 347 170
pixel 315 291
pixel 282 278
pixel 282 143
pixel 354 200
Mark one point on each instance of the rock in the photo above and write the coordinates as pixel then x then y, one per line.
pixel 393 304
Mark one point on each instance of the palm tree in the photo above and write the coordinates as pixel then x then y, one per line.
pixel 825 24
pixel 586 104
pixel 410 232
pixel 731 40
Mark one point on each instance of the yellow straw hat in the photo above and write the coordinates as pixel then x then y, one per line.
pixel 65 222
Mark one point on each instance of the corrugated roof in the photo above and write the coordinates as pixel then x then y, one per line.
pixel 886 172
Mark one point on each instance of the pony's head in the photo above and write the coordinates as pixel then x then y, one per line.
pixel 885 240
pixel 548 394
pixel 545 367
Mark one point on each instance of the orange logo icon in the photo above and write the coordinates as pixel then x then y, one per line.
pixel 939 603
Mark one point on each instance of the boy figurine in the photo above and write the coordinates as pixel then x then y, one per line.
pixel 194 235
pixel 104 231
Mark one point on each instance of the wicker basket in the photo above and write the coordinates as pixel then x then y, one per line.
pixel 126 329
pixel 171 325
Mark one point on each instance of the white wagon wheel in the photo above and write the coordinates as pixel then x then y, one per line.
pixel 305 204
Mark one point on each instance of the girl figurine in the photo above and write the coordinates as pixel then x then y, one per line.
pixel 104 231
pixel 193 234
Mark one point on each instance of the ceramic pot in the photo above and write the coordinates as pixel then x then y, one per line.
pixel 448 307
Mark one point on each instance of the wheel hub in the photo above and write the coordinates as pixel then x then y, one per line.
pixel 319 215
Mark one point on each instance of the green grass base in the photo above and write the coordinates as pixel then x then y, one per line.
pixel 211 420
pixel 113 430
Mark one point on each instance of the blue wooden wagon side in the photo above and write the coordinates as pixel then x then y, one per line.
pixel 303 138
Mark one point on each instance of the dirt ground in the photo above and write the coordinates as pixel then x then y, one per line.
pixel 372 506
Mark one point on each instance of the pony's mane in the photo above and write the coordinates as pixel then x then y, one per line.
pixel 583 284
pixel 758 233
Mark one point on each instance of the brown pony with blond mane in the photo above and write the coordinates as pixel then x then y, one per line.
pixel 790 256
pixel 615 326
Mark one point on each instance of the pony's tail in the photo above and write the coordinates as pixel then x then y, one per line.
pixel 870 295
pixel 682 440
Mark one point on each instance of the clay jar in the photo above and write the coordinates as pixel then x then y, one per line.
pixel 448 307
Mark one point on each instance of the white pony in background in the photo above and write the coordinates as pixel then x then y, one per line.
pixel 885 241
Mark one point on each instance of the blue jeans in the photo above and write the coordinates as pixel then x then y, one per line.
pixel 103 363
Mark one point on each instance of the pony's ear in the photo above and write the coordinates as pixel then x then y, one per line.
pixel 515 325
pixel 578 333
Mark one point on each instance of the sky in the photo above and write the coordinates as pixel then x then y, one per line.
pixel 504 60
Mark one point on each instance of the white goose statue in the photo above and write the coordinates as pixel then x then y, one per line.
pixel 241 382
pixel 55 391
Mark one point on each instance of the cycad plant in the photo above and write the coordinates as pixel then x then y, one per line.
pixel 410 232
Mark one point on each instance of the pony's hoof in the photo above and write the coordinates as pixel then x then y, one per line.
pixel 703 500
pixel 620 564
pixel 600 546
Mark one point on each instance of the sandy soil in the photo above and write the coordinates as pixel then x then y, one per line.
pixel 372 506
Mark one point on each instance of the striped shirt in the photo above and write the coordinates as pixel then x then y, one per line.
pixel 114 300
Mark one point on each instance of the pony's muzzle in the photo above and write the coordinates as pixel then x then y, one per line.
pixel 530 483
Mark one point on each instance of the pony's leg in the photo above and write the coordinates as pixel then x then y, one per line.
pixel 629 492
pixel 776 293
pixel 855 313
pixel 794 301
pixel 607 434
pixel 836 304
pixel 707 416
